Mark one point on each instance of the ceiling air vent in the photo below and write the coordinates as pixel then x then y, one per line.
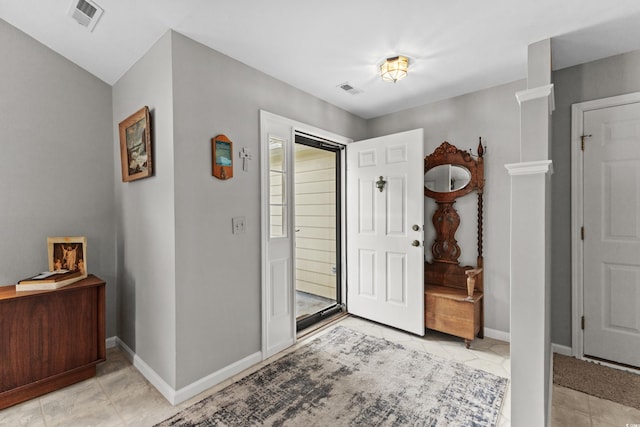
pixel 85 12
pixel 348 88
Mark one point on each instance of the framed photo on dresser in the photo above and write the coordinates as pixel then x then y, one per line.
pixel 68 253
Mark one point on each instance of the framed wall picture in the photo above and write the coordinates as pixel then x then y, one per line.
pixel 68 253
pixel 222 157
pixel 135 146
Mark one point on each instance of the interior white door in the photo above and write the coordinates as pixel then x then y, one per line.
pixel 385 253
pixel 612 234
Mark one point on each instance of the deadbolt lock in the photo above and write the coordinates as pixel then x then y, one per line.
pixel 416 227
pixel 415 243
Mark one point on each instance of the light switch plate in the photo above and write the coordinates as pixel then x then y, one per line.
pixel 238 224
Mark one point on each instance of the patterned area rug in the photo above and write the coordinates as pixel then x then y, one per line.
pixel 346 378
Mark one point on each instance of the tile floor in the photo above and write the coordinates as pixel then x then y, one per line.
pixel 120 396
pixel 573 408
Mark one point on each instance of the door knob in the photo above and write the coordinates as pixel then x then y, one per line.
pixel 415 243
pixel 416 227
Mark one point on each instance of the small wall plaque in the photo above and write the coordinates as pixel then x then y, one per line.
pixel 222 157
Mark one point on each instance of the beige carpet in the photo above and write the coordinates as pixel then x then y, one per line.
pixel 597 380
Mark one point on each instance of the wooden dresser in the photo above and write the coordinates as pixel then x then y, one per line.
pixel 50 339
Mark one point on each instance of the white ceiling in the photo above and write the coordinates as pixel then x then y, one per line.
pixel 454 46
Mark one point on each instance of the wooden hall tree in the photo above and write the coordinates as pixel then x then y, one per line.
pixel 454 293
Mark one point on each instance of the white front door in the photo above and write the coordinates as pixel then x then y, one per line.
pixel 385 216
pixel 612 234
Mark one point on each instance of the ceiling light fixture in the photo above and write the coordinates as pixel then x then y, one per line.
pixel 394 69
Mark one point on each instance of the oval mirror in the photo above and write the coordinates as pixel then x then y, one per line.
pixel 447 178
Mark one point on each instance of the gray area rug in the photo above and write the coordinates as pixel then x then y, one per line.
pixel 346 378
pixel 597 380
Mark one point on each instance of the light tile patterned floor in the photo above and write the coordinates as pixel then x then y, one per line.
pixel 120 396
pixel 573 408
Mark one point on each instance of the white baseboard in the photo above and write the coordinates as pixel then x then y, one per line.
pixel 215 378
pixel 128 352
pixel 561 349
pixel 497 335
pixel 176 397
pixel 165 389
pixel 110 342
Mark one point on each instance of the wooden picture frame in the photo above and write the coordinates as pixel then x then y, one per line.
pixel 68 253
pixel 135 146
pixel 222 157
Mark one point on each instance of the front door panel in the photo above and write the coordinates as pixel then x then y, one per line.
pixel 385 199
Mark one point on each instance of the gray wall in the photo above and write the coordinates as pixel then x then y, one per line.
pixel 190 289
pixel 56 166
pixel 218 273
pixel 607 77
pixel 493 114
pixel 146 217
pixel 56 117
pixel 186 295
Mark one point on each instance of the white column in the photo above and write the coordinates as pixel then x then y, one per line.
pixel 530 250
pixel 530 341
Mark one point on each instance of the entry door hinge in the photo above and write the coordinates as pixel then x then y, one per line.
pixel 582 140
pixel 582 232
pixel 582 323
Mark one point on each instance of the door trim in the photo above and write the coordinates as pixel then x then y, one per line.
pixel 295 126
pixel 577 210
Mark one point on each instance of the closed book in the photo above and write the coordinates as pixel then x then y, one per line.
pixel 54 281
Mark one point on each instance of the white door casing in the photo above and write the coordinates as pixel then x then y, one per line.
pixel 606 200
pixel 385 276
pixel 278 310
pixel 278 263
